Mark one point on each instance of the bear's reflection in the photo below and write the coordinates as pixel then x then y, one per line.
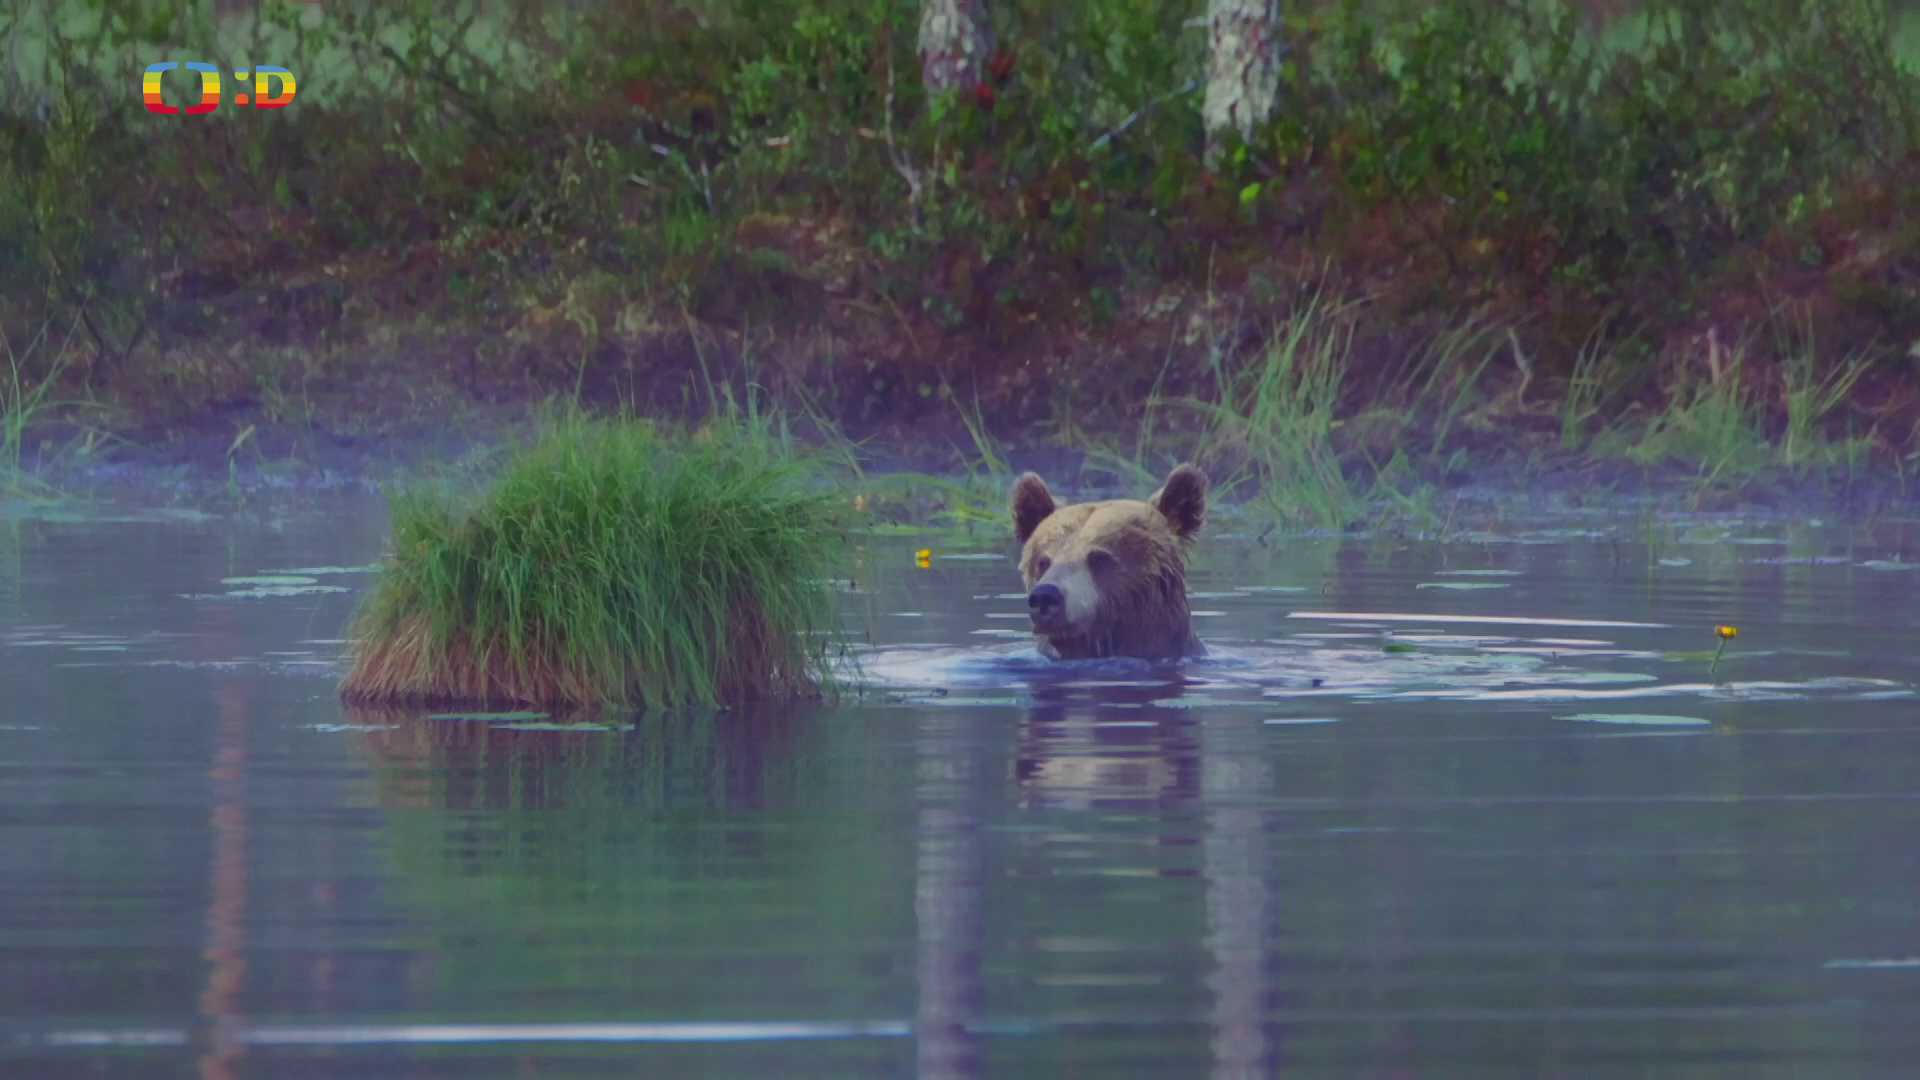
pixel 1110 747
pixel 1133 748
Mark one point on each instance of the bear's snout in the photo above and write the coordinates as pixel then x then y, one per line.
pixel 1046 603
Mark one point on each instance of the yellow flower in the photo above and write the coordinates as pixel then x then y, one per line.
pixel 923 558
pixel 1727 632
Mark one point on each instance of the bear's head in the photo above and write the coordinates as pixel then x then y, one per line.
pixel 1110 578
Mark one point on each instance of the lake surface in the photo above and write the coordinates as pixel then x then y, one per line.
pixel 1392 826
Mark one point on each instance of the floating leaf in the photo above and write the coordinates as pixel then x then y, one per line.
pixel 268 591
pixel 1638 719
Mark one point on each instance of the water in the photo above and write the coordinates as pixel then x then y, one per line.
pixel 1519 841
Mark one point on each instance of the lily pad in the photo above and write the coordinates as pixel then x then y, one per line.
pixel 489 717
pixel 1705 656
pixel 1638 719
pixel 264 591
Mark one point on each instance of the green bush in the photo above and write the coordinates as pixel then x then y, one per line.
pixel 525 148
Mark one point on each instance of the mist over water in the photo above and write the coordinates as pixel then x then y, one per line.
pixel 1385 825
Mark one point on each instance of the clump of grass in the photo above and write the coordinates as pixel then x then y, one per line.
pixel 1268 423
pixel 1280 412
pixel 1587 390
pixel 1714 421
pixel 25 399
pixel 608 565
pixel 1810 395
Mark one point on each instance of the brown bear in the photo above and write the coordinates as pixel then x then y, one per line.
pixel 1110 578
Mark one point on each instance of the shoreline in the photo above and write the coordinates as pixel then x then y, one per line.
pixel 196 467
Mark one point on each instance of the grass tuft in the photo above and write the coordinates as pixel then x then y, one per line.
pixel 608 566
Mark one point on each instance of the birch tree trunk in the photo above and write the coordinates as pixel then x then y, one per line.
pixel 955 40
pixel 1243 68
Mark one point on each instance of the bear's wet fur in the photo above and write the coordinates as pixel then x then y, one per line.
pixel 1110 578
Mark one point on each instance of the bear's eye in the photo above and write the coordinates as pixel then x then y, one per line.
pixel 1041 565
pixel 1100 561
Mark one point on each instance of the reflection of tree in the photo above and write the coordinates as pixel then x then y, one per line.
pixel 948 896
pixel 219 636
pixel 10 562
pixel 1240 902
pixel 226 950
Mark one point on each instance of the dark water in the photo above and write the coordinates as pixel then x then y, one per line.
pixel 1520 848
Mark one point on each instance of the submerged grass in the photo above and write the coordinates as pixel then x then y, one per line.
pixel 608 564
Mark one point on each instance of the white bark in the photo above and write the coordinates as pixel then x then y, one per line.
pixel 955 41
pixel 1243 67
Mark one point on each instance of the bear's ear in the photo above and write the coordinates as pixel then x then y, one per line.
pixel 1032 504
pixel 1182 500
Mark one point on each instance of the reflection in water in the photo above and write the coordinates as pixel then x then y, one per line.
pixel 949 899
pixel 1234 784
pixel 1129 747
pixel 1107 746
pixel 226 953
pixel 1343 844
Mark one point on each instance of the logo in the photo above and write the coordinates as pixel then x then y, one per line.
pixel 273 88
